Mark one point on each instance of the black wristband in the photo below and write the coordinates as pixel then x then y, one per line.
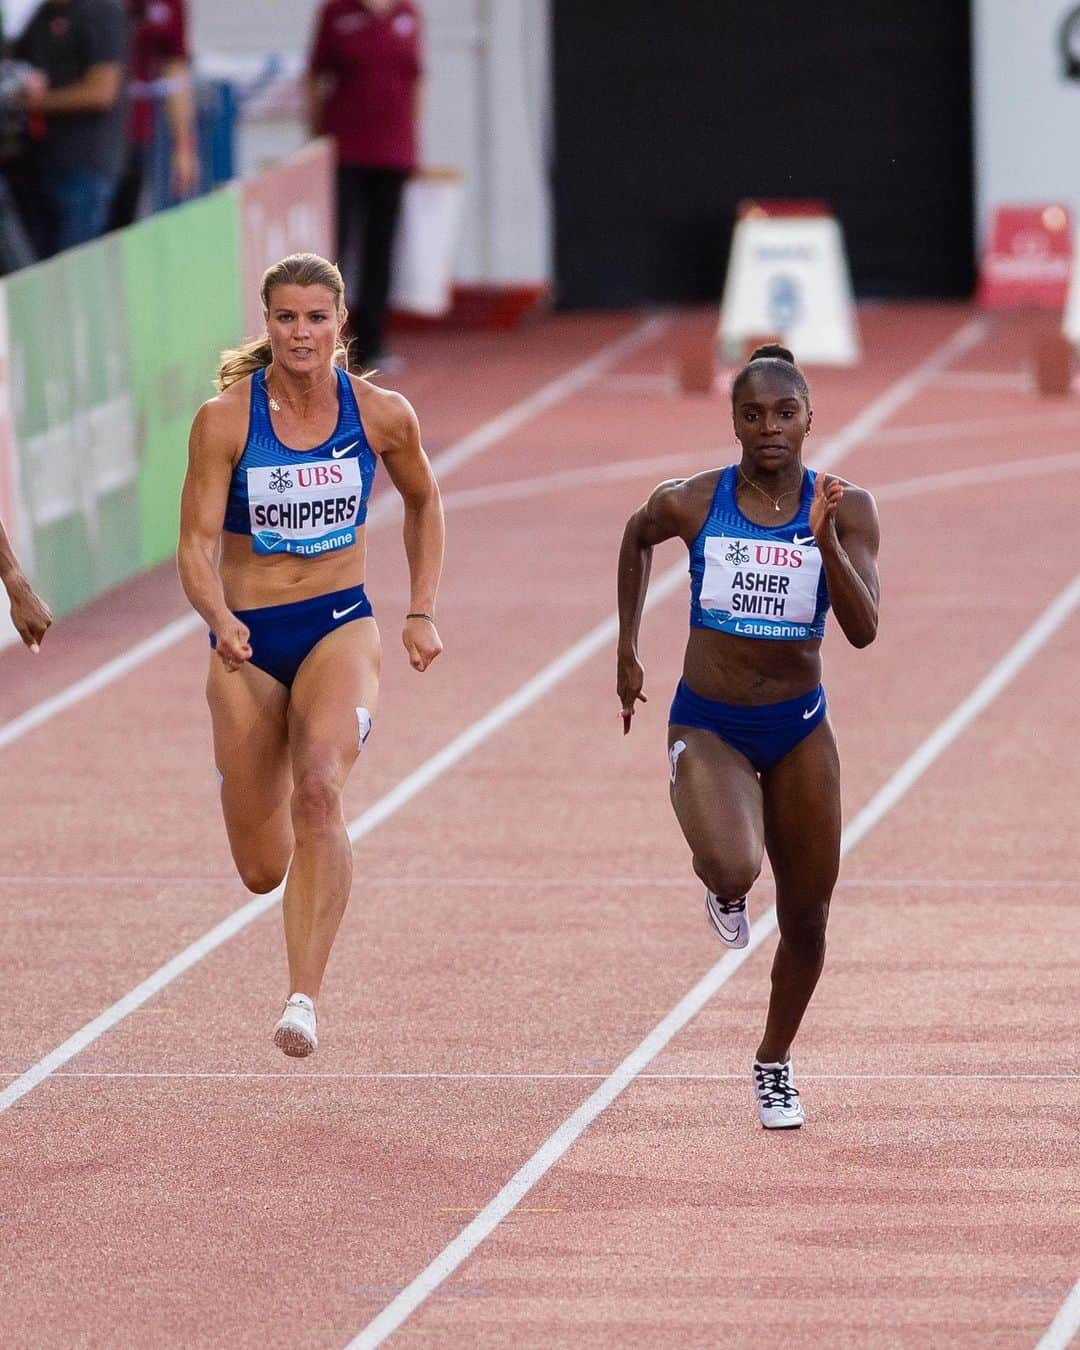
pixel 430 617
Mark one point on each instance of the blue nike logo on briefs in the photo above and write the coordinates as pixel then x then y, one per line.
pixel 340 613
pixel 807 715
pixel 795 539
pixel 338 453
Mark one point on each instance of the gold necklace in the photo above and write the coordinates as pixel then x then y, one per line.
pixel 276 406
pixel 775 500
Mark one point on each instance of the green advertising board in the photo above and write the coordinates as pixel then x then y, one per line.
pixel 113 346
pixel 74 422
pixel 110 350
pixel 182 279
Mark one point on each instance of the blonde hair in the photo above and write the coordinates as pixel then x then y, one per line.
pixel 298 269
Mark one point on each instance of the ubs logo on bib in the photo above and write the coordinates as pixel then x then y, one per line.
pixel 319 475
pixel 776 555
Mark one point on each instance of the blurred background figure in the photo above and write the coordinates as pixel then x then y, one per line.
pixel 364 83
pixel 78 119
pixel 159 61
pixel 16 77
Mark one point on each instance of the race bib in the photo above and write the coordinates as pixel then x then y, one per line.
pixel 761 588
pixel 308 508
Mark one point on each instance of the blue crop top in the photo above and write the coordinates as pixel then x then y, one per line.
pixel 753 581
pixel 307 502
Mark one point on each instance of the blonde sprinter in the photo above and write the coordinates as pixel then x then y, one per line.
pixel 272 555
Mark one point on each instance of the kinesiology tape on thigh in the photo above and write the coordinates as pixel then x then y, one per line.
pixel 673 758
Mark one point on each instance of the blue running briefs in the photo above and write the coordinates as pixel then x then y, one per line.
pixel 283 635
pixel 764 734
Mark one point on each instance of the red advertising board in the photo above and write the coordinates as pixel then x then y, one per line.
pixel 287 209
pixel 1028 258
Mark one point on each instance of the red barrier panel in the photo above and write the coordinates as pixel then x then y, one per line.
pixel 287 209
pixel 1028 258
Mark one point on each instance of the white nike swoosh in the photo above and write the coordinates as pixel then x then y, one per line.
pixel 344 450
pixel 795 539
pixel 807 715
pixel 340 613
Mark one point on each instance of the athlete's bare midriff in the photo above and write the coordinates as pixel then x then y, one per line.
pixel 751 671
pixel 253 581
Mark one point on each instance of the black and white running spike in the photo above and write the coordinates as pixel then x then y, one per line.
pixel 777 1097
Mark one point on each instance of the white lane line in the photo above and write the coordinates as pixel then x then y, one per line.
pixel 652 384
pixel 457 1251
pixel 1066 1324
pixel 976 477
pixel 1034 421
pixel 681 465
pixel 883 407
pixel 383 511
pixel 98 679
pixel 519 489
pixel 481 730
pixel 557 391
pixel 527 879
pixel 297 1076
pixel 1036 637
pixel 987 379
pixel 15 879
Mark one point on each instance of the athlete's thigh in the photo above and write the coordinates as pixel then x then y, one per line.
pixel 716 796
pixel 335 691
pixel 802 819
pixel 248 713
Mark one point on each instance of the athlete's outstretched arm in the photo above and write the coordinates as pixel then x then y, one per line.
pixel 662 517
pixel 202 513
pixel 845 523
pixel 29 613
pixel 398 434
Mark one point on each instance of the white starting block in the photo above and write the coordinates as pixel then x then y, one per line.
pixel 788 275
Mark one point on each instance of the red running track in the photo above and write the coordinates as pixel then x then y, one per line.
pixel 525 920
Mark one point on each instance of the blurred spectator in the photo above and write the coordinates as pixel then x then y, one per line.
pixel 16 77
pixel 364 80
pixel 159 56
pixel 77 121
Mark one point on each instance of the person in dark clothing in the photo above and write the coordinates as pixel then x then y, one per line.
pixel 364 79
pixel 158 53
pixel 16 78
pixel 78 123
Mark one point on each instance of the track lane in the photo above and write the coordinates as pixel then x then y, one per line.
pixel 427 993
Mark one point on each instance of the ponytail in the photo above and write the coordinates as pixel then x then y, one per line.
pixel 256 354
pixel 237 362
